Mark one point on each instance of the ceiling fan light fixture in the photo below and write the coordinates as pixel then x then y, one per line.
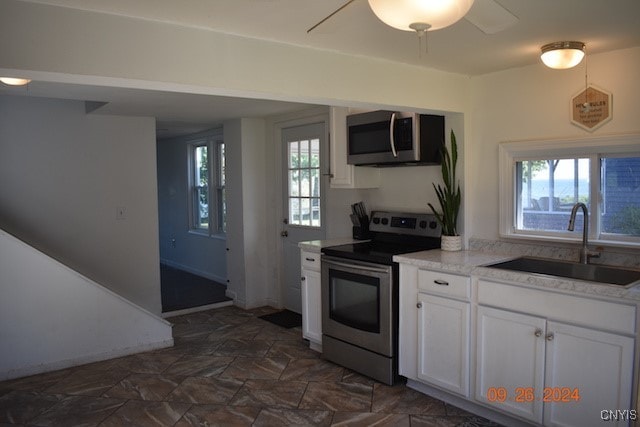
pixel 14 81
pixel 407 14
pixel 562 55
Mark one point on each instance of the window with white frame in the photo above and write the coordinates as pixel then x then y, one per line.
pixel 540 182
pixel 207 205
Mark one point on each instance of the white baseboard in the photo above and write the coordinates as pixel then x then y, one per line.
pixel 83 360
pixel 215 278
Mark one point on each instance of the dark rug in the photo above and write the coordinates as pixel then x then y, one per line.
pixel 181 290
pixel 285 318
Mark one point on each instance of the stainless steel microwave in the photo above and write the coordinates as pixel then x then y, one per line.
pixel 389 138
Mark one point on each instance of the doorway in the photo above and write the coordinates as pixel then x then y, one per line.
pixel 191 220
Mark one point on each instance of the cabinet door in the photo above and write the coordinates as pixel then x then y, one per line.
pixel 598 365
pixel 443 343
pixel 344 175
pixel 510 360
pixel 311 308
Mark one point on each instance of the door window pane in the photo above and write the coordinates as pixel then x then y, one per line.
pixel 294 210
pixel 294 154
pixel 294 183
pixel 304 154
pixel 305 212
pixel 315 153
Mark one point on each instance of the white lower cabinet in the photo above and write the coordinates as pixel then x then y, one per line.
pixel 443 342
pixel 550 372
pixel 311 299
pixel 597 365
pixel 539 356
pixel 509 357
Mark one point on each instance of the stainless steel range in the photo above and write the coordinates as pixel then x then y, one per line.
pixel 360 293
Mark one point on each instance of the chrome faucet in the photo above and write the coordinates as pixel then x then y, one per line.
pixel 585 254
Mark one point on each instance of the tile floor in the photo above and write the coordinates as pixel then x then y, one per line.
pixel 228 367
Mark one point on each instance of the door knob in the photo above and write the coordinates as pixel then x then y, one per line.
pixel 284 233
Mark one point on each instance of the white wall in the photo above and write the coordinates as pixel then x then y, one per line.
pixel 64 173
pixel 235 221
pixel 70 45
pixel 250 260
pixel 410 188
pixel 193 252
pixel 534 103
pixel 51 317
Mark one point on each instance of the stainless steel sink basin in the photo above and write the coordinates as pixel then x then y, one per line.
pixel 590 272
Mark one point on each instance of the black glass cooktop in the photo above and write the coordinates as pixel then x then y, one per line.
pixel 379 252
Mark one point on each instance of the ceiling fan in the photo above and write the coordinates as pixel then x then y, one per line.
pixel 429 15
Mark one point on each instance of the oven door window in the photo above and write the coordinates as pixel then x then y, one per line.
pixel 354 300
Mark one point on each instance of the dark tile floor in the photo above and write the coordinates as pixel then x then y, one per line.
pixel 228 367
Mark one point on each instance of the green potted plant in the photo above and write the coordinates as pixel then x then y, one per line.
pixel 449 198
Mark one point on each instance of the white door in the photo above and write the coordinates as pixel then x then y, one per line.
pixel 510 361
pixel 587 371
pixel 304 184
pixel 443 343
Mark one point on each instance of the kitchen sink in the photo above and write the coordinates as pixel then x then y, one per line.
pixel 590 272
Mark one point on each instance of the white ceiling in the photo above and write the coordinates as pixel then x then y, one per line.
pixel 603 25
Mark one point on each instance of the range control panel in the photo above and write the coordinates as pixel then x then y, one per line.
pixel 415 224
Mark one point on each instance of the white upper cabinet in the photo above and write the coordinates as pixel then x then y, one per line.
pixel 344 175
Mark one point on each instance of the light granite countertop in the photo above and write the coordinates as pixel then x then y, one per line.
pixel 474 262
pixel 317 245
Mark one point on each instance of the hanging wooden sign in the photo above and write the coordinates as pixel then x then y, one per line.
pixel 591 108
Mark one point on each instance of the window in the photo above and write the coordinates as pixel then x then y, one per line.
pixel 304 182
pixel 206 182
pixel 542 180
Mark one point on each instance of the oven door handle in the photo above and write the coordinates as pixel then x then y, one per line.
pixel 356 266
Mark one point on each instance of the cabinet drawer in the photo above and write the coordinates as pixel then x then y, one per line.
pixel 310 260
pixel 446 284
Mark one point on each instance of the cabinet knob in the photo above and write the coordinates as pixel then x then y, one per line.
pixel 303 278
pixel 419 305
pixel 549 337
pixel 538 333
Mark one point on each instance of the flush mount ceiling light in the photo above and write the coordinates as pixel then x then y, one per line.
pixel 420 15
pixel 562 55
pixel 14 81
